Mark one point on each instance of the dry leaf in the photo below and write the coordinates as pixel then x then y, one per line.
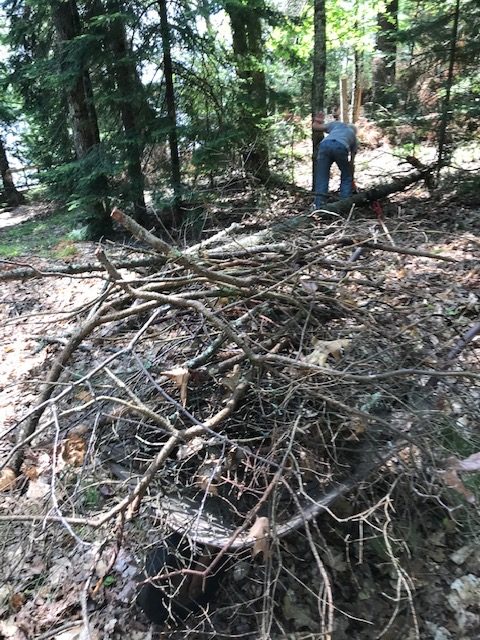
pixel 191 448
pixel 208 474
pixel 31 472
pixel 10 631
pixel 453 481
pixel 323 349
pixel 17 600
pixel 74 448
pixel 358 426
pixel 180 376
pixel 38 489
pixel 260 533
pixel 310 286
pixel 7 479
pixel 83 395
pixel 231 381
pixel 36 464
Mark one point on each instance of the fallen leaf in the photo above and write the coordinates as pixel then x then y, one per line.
pixel 208 474
pixel 180 376
pixel 17 600
pixel 10 631
pixel 83 395
pixel 260 533
pixel 190 448
pixel 310 286
pixel 357 426
pixel 231 381
pixel 453 481
pixel 7 479
pixel 462 554
pixel 75 633
pixel 323 349
pixel 38 489
pixel 73 450
pixel 30 472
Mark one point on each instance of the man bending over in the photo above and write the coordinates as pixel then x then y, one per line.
pixel 336 147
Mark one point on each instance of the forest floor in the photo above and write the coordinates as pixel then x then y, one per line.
pixel 395 558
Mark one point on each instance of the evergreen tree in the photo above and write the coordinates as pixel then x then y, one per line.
pixel 12 196
pixel 384 63
pixel 319 71
pixel 171 106
pixel 82 112
pixel 123 103
pixel 245 20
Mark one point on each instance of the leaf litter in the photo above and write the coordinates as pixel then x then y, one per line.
pixel 419 302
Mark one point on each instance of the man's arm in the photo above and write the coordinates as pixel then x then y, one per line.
pixel 318 122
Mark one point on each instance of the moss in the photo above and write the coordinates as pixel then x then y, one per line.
pixel 40 236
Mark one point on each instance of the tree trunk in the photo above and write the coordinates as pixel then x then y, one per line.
pixel 171 107
pixel 79 90
pixel 81 107
pixel 356 87
pixel 245 21
pixel 384 63
pixel 343 90
pixel 446 103
pixel 130 93
pixel 319 70
pixel 13 197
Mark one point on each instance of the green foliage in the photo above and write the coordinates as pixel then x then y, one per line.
pixel 38 236
pixel 215 113
pixel 424 38
pixel 109 581
pixel 91 498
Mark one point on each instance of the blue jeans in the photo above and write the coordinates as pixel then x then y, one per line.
pixel 331 151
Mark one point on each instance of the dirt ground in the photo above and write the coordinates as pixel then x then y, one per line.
pixel 397 557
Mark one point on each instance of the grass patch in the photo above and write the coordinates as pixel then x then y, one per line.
pixel 42 236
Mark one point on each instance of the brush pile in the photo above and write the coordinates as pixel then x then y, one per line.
pixel 234 391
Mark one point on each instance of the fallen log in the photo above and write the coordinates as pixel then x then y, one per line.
pixel 18 271
pixel 21 271
pixel 344 206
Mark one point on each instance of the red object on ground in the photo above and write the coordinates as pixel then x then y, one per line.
pixel 377 209
pixel 375 205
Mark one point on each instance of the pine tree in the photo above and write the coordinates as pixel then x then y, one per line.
pixel 82 112
pixel 12 196
pixel 245 20
pixel 384 63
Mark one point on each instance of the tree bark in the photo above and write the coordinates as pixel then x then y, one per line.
pixel 319 70
pixel 176 179
pixel 446 103
pixel 356 87
pixel 13 197
pixel 130 92
pixel 245 21
pixel 384 63
pixel 83 116
pixel 343 89
pixel 79 90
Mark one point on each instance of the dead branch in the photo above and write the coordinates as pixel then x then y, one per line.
pixel 174 255
pixel 26 271
pixel 395 249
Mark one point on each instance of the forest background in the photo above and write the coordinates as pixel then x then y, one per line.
pixel 110 99
pixel 312 378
